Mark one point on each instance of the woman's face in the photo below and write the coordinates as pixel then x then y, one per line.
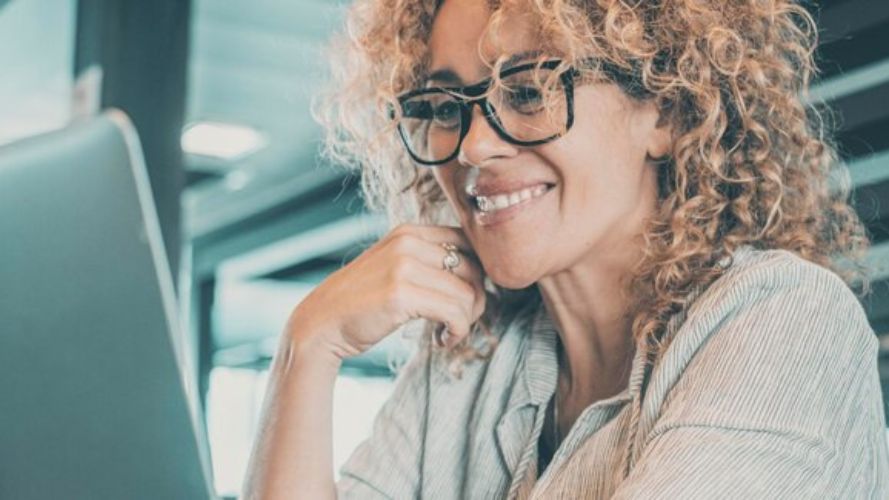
pixel 599 186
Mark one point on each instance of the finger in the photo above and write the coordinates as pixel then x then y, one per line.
pixel 410 242
pixel 433 305
pixel 439 258
pixel 438 234
pixel 466 281
pixel 470 295
pixel 432 255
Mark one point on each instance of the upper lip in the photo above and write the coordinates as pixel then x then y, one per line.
pixel 495 187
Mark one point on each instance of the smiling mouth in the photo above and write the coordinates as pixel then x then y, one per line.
pixel 495 203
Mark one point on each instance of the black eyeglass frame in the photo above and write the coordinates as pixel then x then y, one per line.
pixel 476 94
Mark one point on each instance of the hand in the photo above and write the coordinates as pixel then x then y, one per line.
pixel 398 279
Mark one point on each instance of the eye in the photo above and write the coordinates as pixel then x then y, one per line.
pixel 446 114
pixel 525 99
pixel 417 109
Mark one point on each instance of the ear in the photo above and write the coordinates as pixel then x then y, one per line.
pixel 660 140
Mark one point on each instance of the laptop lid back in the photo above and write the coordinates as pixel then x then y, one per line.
pixel 93 403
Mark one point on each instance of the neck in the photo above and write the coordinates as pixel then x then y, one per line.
pixel 588 305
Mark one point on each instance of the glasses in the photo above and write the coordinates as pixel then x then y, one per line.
pixel 528 105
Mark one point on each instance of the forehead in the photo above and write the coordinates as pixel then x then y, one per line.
pixel 455 42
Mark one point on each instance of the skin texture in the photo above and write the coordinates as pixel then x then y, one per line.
pixel 398 279
pixel 580 239
pixel 584 240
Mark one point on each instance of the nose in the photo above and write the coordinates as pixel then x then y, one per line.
pixel 482 143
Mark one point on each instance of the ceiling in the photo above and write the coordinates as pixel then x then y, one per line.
pixel 257 64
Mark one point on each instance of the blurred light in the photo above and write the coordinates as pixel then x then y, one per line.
pixel 234 406
pixel 221 140
pixel 237 180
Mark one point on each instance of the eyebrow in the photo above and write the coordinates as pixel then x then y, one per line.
pixel 447 75
pixel 444 75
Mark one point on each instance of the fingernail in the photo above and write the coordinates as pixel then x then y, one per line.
pixel 439 336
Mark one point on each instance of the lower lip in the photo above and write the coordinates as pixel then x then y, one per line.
pixel 505 214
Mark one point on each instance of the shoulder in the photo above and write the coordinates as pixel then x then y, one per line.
pixel 778 268
pixel 780 287
pixel 776 338
pixel 773 316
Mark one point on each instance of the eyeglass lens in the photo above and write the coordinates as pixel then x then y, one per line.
pixel 527 106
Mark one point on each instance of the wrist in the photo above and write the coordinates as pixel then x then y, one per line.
pixel 313 349
pixel 308 339
pixel 318 335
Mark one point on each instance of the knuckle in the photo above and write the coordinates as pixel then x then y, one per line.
pixel 402 243
pixel 469 291
pixel 462 318
pixel 473 292
pixel 402 229
pixel 481 295
pixel 467 314
pixel 462 329
pixel 479 305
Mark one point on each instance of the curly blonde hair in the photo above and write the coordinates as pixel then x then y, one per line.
pixel 753 161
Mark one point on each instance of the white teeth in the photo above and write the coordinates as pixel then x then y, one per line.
pixel 501 201
pixel 483 204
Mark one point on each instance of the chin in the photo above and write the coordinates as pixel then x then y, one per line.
pixel 511 278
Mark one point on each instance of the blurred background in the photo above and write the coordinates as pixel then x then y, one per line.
pixel 253 218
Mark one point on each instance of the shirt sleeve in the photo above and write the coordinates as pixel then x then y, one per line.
pixel 386 465
pixel 781 401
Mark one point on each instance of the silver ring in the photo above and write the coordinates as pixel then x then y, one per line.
pixel 451 259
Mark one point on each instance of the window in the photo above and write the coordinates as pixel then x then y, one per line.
pixel 36 54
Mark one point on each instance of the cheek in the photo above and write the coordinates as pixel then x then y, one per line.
pixel 444 178
pixel 455 214
pixel 598 159
pixel 583 172
pixel 601 187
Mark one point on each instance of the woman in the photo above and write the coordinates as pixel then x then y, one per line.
pixel 637 202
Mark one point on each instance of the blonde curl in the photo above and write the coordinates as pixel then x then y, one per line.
pixel 752 161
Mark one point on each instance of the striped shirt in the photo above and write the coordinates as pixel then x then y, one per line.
pixel 769 389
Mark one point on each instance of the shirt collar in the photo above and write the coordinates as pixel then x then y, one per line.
pixel 539 370
pixel 540 366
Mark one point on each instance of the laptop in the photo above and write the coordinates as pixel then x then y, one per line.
pixel 94 387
